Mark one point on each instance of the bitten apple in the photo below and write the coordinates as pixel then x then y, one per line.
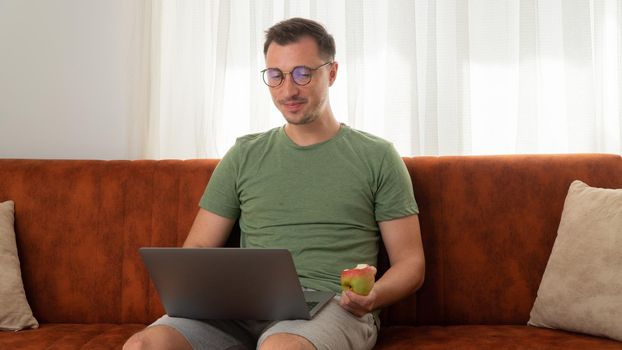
pixel 360 279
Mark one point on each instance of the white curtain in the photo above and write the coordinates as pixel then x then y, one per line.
pixel 433 77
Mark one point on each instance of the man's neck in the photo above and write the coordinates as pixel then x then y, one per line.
pixel 320 130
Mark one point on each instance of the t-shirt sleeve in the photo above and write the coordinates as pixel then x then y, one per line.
pixel 394 196
pixel 220 196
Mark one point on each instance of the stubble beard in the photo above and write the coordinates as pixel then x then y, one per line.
pixel 308 118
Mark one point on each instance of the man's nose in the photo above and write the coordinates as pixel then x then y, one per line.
pixel 289 86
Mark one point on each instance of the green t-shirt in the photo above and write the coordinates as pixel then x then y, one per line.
pixel 322 202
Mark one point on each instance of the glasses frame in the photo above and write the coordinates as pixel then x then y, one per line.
pixel 284 74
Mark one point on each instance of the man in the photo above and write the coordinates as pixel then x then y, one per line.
pixel 316 187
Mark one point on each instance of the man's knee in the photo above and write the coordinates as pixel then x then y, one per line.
pixel 157 337
pixel 286 341
pixel 135 342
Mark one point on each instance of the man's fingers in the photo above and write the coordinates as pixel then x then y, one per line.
pixel 357 299
pixel 349 302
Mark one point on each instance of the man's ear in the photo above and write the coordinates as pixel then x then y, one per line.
pixel 332 74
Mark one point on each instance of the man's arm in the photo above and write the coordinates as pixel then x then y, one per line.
pixel 402 240
pixel 209 230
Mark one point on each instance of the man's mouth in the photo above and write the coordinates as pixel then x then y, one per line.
pixel 293 106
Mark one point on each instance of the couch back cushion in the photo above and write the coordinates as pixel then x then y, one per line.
pixel 488 225
pixel 79 224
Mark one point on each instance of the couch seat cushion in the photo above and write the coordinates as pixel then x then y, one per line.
pixel 487 337
pixel 70 336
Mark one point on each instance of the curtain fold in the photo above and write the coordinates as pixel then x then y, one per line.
pixel 435 77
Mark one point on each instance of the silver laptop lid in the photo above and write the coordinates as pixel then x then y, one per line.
pixel 228 283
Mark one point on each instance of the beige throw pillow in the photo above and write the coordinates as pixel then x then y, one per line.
pixel 15 313
pixel 581 289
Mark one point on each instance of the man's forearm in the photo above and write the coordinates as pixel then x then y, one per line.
pixel 400 280
pixel 208 230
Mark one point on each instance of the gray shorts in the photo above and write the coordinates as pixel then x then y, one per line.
pixel 332 328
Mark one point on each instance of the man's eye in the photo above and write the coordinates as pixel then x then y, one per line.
pixel 275 74
pixel 302 73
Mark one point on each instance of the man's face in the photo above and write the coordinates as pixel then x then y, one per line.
pixel 300 104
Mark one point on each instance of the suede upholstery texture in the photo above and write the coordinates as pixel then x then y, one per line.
pixel 488 226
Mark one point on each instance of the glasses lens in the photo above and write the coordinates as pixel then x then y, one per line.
pixel 302 75
pixel 272 76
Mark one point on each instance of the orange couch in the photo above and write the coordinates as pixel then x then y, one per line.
pixel 488 224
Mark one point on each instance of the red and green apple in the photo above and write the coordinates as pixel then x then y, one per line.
pixel 360 279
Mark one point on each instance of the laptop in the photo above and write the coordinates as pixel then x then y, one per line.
pixel 230 283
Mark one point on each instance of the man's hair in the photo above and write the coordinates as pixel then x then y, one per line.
pixel 291 30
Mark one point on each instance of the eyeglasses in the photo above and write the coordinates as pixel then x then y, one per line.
pixel 302 75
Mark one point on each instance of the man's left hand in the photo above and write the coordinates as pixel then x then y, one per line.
pixel 358 305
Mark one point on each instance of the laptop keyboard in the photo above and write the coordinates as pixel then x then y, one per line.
pixel 311 304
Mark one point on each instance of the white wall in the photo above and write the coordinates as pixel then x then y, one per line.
pixel 63 80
